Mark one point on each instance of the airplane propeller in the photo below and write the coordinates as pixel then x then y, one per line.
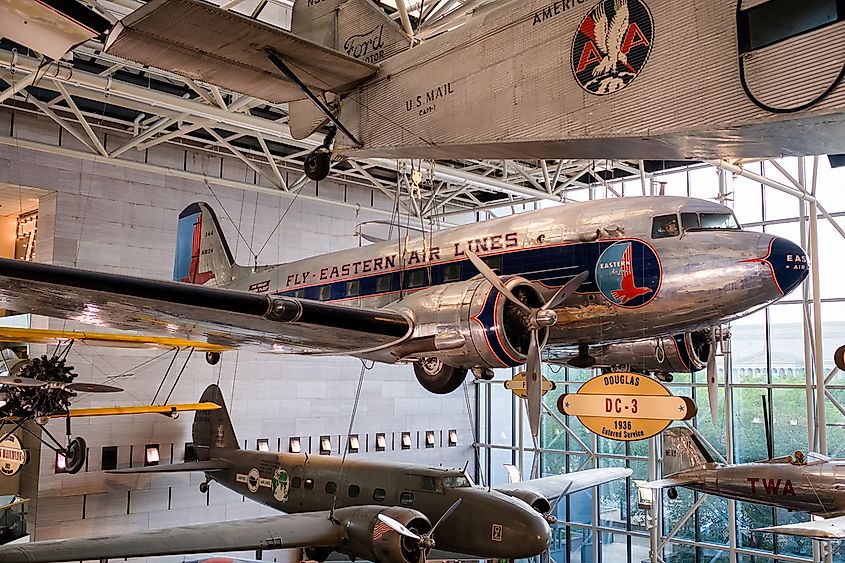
pixel 13 381
pixel 424 541
pixel 538 318
pixel 716 338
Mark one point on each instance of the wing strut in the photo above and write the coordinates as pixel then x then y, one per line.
pixel 289 74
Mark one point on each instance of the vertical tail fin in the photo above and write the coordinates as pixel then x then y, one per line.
pixel 213 429
pixel 683 450
pixel 202 255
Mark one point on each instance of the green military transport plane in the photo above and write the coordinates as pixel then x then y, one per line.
pixel 382 511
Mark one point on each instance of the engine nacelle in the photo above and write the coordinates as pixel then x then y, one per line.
pixel 371 539
pixel 471 324
pixel 680 353
pixel 536 501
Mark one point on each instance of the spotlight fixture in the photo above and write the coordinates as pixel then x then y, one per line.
pixel 354 443
pixel 453 438
pixel 263 444
pixel 325 445
pixel 295 445
pixel 429 438
pixel 381 442
pixel 151 455
pixel 406 440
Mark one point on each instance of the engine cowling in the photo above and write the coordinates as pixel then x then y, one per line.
pixel 680 353
pixel 371 539
pixel 476 324
pixel 536 501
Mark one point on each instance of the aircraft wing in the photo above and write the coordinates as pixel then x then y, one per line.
pixel 142 409
pixel 268 532
pixel 668 482
pixel 221 316
pixel 210 465
pixel 829 529
pixel 116 340
pixel 568 483
pixel 200 41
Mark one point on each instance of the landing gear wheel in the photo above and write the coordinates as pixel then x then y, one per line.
pixel 318 163
pixel 672 493
pixel 839 358
pixel 203 487
pixel 437 377
pixel 75 455
pixel 212 358
pixel 319 554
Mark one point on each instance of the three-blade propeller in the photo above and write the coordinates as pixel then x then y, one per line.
pixel 14 381
pixel 538 318
pixel 424 541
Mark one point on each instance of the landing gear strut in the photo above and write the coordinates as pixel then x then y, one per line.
pixel 437 377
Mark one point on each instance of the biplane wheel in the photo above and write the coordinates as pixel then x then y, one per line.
pixel 203 487
pixel 75 455
pixel 672 493
pixel 212 358
pixel 436 377
pixel 317 164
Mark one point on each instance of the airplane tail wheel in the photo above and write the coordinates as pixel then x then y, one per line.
pixel 672 493
pixel 203 487
pixel 212 358
pixel 317 164
pixel 75 455
pixel 437 377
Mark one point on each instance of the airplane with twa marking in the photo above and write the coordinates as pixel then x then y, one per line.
pixel 581 274
pixel 382 512
pixel 811 483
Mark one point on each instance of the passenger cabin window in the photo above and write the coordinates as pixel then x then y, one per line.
pixel 494 262
pixel 383 284
pixel 325 293
pixel 452 272
pixel 299 294
pixel 296 482
pixel 406 499
pixel 379 495
pixel 773 21
pixel 415 278
pixel 354 491
pixel 665 226
pixel 331 487
pixel 309 484
pixel 353 288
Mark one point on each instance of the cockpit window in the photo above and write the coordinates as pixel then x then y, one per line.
pixel 456 482
pixel 665 226
pixel 709 221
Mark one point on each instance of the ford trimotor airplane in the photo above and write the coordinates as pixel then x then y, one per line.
pixel 805 483
pixel 530 79
pixel 383 512
pixel 581 274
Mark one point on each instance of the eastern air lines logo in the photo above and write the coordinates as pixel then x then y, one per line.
pixel 612 45
pixel 628 274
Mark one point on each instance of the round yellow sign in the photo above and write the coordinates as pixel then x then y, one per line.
pixel 626 406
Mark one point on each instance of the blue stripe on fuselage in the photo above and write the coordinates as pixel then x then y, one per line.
pixel 549 265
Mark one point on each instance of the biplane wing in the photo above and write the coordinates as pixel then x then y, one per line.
pixel 141 409
pixel 200 41
pixel 114 340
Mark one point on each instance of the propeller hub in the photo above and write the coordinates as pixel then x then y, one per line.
pixel 545 317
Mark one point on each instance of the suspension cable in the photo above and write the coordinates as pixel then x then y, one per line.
pixel 364 369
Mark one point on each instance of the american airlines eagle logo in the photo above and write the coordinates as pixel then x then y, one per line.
pixel 612 45
pixel 628 274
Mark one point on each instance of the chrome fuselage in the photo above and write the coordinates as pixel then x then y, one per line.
pixel 693 279
pixel 816 487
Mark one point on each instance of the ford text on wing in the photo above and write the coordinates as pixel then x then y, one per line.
pixel 582 274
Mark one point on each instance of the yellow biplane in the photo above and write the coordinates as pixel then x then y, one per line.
pixel 39 389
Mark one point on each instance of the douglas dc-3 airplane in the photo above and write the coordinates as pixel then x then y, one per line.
pixel 365 509
pixel 806 483
pixel 582 274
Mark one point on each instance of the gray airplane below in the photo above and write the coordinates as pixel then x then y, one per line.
pixel 805 483
pixel 581 274
pixel 384 512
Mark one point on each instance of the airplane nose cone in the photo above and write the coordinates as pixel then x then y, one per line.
pixel 788 262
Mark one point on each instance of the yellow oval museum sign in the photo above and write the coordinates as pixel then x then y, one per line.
pixel 626 406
